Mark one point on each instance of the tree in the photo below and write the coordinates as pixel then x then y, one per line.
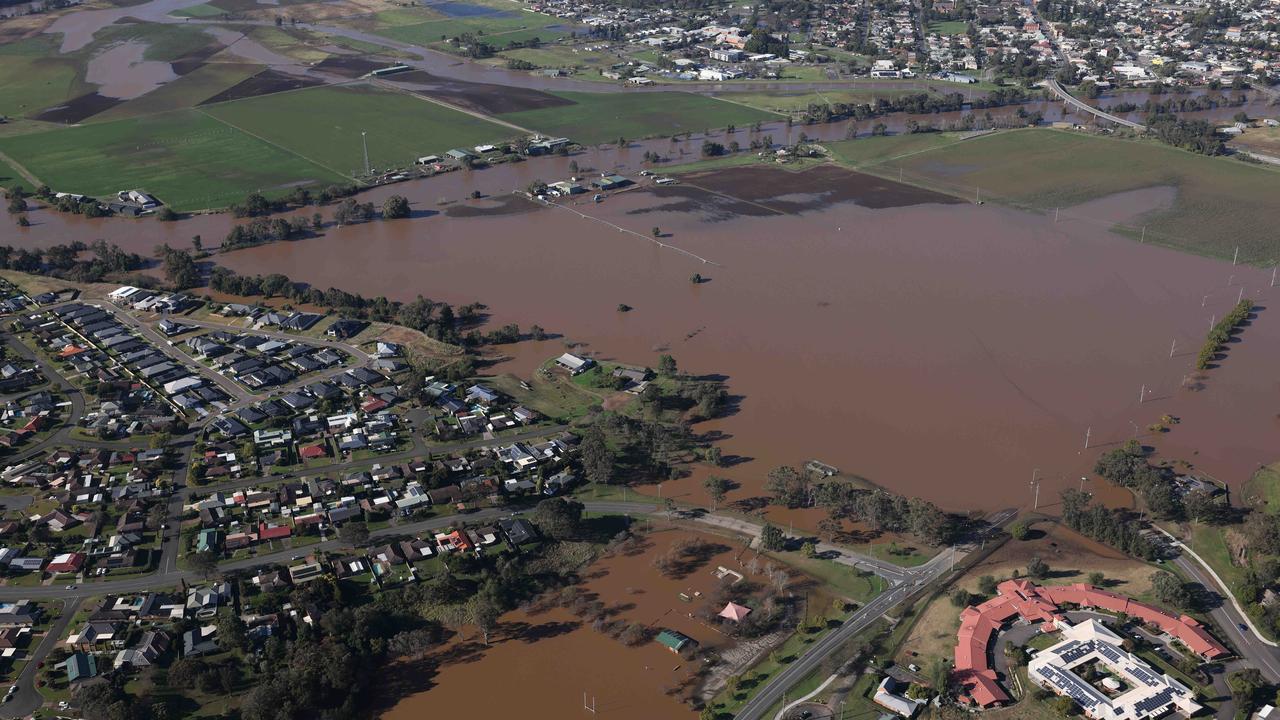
pixel 717 488
pixel 1170 590
pixel 788 487
pixel 415 643
pixel 559 518
pixel 1247 689
pixel 231 631
pixel 354 534
pixel 1097 579
pixel 205 564
pixel 1019 530
pixel 395 207
pixel 939 676
pixel 485 613
pixel 17 204
pixel 987 585
pixel 657 231
pixel 667 366
pixel 1037 568
pixel 771 537
pixel 960 597
pixel 597 458
pixel 197 243
pixel 808 549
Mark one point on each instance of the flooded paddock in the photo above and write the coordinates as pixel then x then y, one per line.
pixel 548 656
pixel 942 349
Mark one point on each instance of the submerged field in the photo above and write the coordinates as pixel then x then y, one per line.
pixel 189 159
pixel 1219 204
pixel 599 118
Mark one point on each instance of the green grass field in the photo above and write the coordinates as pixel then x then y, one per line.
pixel 189 160
pixel 497 30
pixel 787 102
pixel 599 118
pixel 33 76
pixel 1220 203
pixel 950 27
pixel 887 149
pixel 324 124
pixel 187 91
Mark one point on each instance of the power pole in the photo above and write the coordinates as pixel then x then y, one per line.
pixel 1273 275
pixel 1088 431
pixel 1236 257
pixel 1142 393
pixel 1240 299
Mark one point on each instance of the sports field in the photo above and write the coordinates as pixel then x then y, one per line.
pixel 323 124
pixel 1220 202
pixel 604 117
pixel 188 159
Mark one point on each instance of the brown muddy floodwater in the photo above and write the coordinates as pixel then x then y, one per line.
pixel 945 350
pixel 122 72
pixel 543 660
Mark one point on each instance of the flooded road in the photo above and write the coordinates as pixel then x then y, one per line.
pixel 944 350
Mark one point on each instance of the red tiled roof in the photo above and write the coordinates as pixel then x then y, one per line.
pixel 1023 598
pixel 273 532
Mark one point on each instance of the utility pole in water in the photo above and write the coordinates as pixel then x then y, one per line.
pixel 1173 346
pixel 1087 432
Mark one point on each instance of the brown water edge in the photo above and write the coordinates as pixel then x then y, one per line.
pixel 946 351
pixel 545 658
pixel 122 72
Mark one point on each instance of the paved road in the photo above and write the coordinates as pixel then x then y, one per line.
pixel 26 699
pixel 914 580
pixel 1083 106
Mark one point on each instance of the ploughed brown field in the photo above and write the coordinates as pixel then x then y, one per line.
pixel 541 661
pixel 945 350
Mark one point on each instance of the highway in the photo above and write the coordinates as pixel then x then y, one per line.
pixel 1082 106
pixel 910 582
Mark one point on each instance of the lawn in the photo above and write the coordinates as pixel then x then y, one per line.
pixel 1263 489
pixel 949 27
pixel 203 10
pixel 187 91
pixel 842 579
pixel 324 124
pixel 188 159
pixel 1220 203
pixel 604 117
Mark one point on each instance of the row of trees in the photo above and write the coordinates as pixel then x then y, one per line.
pixel 68 261
pixel 915 104
pixel 877 509
pixel 1111 527
pixel 435 319
pixel 1221 332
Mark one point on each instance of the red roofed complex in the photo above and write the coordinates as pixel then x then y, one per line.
pixel 1031 602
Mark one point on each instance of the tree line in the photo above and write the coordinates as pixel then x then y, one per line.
pixel 1110 527
pixel 915 104
pixel 1221 333
pixel 67 262
pixel 435 319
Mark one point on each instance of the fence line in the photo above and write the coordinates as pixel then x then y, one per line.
pixel 642 236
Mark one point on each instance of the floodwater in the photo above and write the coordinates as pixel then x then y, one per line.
pixel 945 350
pixel 78 27
pixel 942 350
pixel 546 660
pixel 121 71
